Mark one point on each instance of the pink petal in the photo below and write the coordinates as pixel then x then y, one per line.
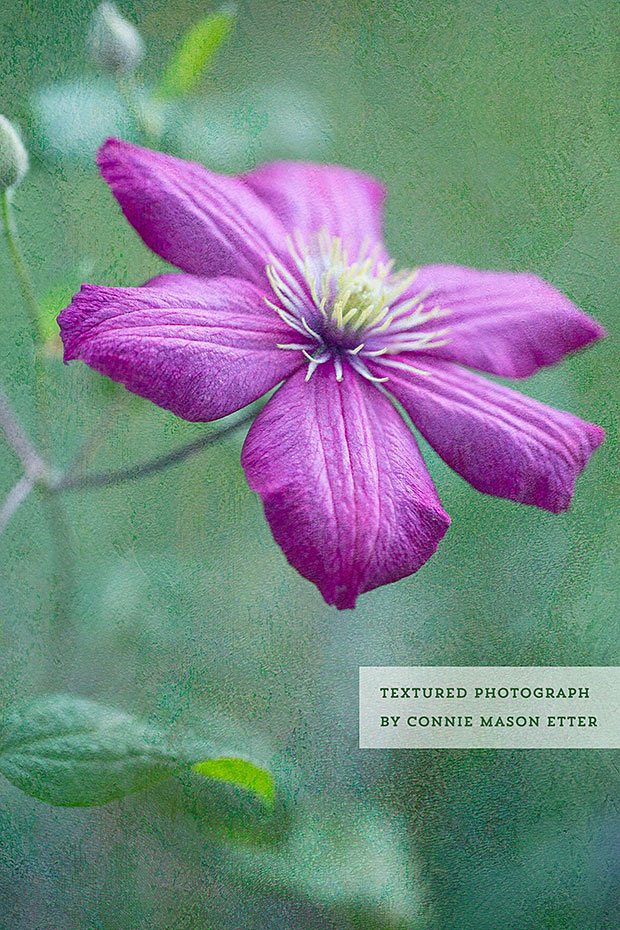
pixel 345 490
pixel 199 348
pixel 506 323
pixel 310 197
pixel 503 443
pixel 205 223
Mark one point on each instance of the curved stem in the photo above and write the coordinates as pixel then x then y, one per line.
pixel 18 439
pixel 30 299
pixel 61 553
pixel 16 496
pixel 106 479
pixel 21 269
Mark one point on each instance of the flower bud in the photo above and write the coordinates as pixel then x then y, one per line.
pixel 13 155
pixel 114 43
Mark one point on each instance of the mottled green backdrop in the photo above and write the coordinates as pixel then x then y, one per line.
pixel 495 128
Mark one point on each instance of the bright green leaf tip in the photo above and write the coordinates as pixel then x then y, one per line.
pixel 195 53
pixel 73 752
pixel 240 772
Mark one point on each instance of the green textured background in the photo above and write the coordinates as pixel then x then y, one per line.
pixel 495 128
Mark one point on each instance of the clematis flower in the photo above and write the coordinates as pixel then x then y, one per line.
pixel 286 281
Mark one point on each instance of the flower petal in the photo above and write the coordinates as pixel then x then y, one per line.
pixel 204 223
pixel 309 197
pixel 345 489
pixel 503 443
pixel 505 323
pixel 199 348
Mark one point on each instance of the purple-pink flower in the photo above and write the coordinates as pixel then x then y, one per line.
pixel 287 282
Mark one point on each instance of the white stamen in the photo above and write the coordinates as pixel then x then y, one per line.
pixel 283 291
pixel 399 322
pixel 315 361
pixel 293 345
pixel 358 365
pixel 312 367
pixel 309 329
pixel 345 300
pixel 374 353
pixel 286 317
pixel 418 341
pixel 393 363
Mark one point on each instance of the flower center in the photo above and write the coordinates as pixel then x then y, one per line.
pixel 357 302
pixel 351 296
pixel 349 311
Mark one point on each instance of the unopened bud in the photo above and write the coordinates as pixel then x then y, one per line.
pixel 114 43
pixel 13 155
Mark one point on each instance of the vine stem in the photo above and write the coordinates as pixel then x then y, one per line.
pixel 106 479
pixel 59 531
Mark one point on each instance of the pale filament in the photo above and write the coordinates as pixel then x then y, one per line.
pixel 351 311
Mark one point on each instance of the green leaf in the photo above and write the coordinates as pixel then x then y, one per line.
pixel 68 751
pixel 239 772
pixel 221 810
pixel 72 752
pixel 195 53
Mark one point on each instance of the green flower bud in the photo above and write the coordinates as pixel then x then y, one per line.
pixel 13 155
pixel 114 43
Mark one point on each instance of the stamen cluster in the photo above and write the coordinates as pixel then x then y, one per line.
pixel 350 311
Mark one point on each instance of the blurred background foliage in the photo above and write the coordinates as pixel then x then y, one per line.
pixel 495 128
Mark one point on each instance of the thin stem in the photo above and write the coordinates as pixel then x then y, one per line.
pixel 21 269
pixel 128 92
pixel 30 299
pixel 61 551
pixel 17 438
pixel 106 479
pixel 16 496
